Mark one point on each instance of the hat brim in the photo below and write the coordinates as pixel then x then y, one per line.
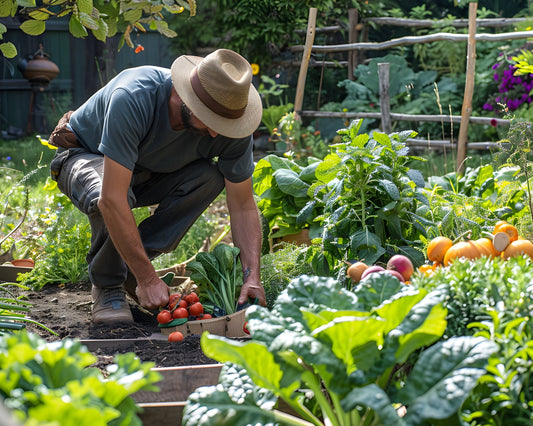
pixel 233 128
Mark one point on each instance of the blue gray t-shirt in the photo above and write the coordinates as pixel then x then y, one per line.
pixel 127 120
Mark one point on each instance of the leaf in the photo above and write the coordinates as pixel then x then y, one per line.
pixel 254 357
pixel 443 377
pixel 8 49
pixel 132 15
pixel 76 28
pixel 236 400
pixel 328 169
pixel 390 188
pixel 417 177
pixel 374 397
pixel 85 6
pixel 102 32
pixel 33 27
pixel 375 290
pixel 289 182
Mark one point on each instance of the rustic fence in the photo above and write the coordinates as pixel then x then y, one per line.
pixel 359 30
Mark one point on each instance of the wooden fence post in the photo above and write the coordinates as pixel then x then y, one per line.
pixel 309 39
pixel 353 37
pixel 466 111
pixel 384 100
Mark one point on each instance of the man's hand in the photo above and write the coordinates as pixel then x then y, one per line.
pixel 252 290
pixel 153 294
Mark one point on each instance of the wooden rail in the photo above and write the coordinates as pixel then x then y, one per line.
pixel 385 115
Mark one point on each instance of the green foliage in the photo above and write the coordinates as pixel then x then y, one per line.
pixel 492 298
pixel 102 19
pixel 283 187
pixel 333 362
pixel 219 275
pixel 63 244
pixel 475 200
pixel 53 383
pixel 280 267
pixel 14 310
pixel 260 30
pixel 371 200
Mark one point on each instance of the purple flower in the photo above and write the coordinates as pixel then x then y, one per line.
pixel 496 65
pixel 8 158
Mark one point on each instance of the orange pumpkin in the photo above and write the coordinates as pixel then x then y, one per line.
pixel 467 249
pixel 486 248
pixel 518 248
pixel 437 248
pixel 509 229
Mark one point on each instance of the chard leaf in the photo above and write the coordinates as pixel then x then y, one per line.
pixel 255 357
pixel 423 325
pixel 374 397
pixel 375 289
pixel 314 293
pixel 210 405
pixel 443 377
pixel 348 334
pixel 308 173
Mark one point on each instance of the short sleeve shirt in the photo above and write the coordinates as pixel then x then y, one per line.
pixel 127 120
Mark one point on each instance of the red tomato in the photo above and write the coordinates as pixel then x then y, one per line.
pixel 180 313
pixel 175 336
pixel 183 304
pixel 191 298
pixel 206 316
pixel 245 329
pixel 164 316
pixel 196 309
pixel 173 297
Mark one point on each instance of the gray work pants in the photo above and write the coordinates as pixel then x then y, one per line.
pixel 182 197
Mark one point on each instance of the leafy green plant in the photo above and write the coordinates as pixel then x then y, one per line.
pixel 475 200
pixel 493 298
pixel 282 186
pixel 280 267
pixel 333 362
pixel 503 395
pixel 45 382
pixel 371 200
pixel 219 275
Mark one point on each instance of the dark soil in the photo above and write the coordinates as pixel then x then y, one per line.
pixel 66 310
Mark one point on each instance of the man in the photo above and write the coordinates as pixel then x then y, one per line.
pixel 172 137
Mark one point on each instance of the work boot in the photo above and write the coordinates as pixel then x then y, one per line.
pixel 110 305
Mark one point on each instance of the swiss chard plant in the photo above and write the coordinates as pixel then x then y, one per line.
pixel 335 357
pixel 371 200
pixel 53 383
pixel 219 275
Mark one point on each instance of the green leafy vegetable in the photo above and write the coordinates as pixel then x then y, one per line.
pixel 219 276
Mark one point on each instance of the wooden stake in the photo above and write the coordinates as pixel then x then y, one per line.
pixel 384 100
pixel 466 111
pixel 309 40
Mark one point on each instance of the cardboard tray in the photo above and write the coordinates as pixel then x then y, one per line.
pixel 227 326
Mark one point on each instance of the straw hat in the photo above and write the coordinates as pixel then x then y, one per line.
pixel 218 90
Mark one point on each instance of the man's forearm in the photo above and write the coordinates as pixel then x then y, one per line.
pixel 246 234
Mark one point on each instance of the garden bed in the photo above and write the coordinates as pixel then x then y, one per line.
pixel 67 311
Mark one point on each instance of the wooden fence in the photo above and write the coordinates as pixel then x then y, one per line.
pixel 356 29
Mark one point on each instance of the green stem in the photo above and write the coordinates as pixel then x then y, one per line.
pixel 288 419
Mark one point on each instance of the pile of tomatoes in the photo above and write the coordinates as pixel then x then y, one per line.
pixel 186 307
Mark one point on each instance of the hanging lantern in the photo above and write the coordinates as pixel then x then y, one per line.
pixel 40 70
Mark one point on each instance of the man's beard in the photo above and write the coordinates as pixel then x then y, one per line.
pixel 186 121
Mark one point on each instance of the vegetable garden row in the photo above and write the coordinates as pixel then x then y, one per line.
pixel 445 339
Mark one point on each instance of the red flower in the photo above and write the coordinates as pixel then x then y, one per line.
pixel 139 48
pixel 493 122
